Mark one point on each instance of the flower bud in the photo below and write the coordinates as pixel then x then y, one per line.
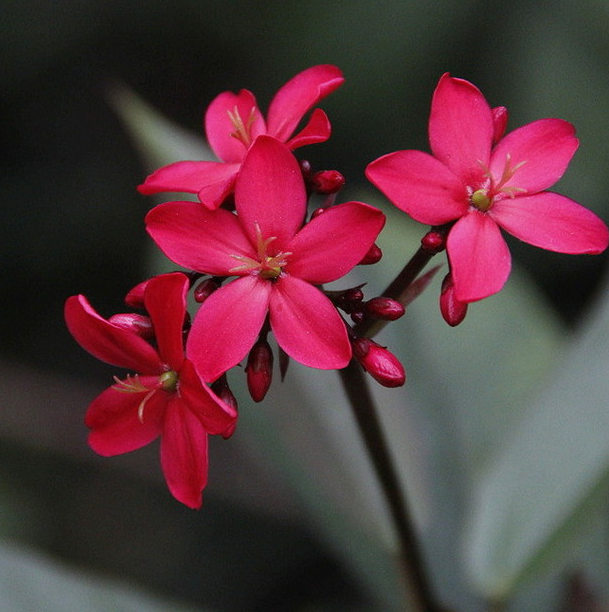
pixel 357 316
pixel 373 256
pixel 140 324
pixel 135 297
pixel 204 289
pixel 500 119
pixel 434 242
pixel 222 390
pixel 326 182
pixel 381 364
pixel 305 168
pixel 453 311
pixel 384 308
pixel 317 212
pixel 259 370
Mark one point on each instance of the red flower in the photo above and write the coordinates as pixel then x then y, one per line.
pixel 232 123
pixel 166 397
pixel 277 263
pixel 485 182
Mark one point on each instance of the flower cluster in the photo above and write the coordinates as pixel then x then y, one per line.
pixel 258 260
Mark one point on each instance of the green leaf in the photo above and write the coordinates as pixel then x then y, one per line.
pixel 539 491
pixel 29 581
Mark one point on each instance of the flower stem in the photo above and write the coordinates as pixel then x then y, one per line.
pixel 411 558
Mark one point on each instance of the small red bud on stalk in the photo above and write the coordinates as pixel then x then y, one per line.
pixel 305 168
pixel 384 308
pixel 140 324
pixel 434 242
pixel 373 256
pixel 500 119
pixel 135 297
pixel 204 289
pixel 222 390
pixel 357 316
pixel 453 311
pixel 326 182
pixel 259 370
pixel 381 364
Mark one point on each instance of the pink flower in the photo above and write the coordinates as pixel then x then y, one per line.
pixel 277 263
pixel 483 181
pixel 232 123
pixel 165 397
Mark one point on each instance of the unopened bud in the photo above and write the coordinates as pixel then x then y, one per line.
pixel 259 370
pixel 357 316
pixel 204 289
pixel 453 311
pixel 137 323
pixel 384 308
pixel 326 182
pixel 434 242
pixel 317 212
pixel 305 168
pixel 135 297
pixel 222 390
pixel 500 119
pixel 373 256
pixel 380 363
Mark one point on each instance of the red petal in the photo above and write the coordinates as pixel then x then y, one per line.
pixel 165 301
pixel 227 325
pixel 553 222
pixel 334 242
pixel 479 257
pixel 110 343
pixel 298 95
pixel 420 185
pixel 307 325
pixel 219 127
pixel 461 128
pixel 318 129
pixel 270 192
pixel 546 148
pixel 114 419
pixel 215 415
pixel 199 239
pixel 212 181
pixel 184 454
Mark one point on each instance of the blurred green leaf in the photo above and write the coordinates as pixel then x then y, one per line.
pixel 30 582
pixel 541 488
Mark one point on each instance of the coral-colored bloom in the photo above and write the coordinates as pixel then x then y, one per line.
pixel 486 181
pixel 277 263
pixel 165 397
pixel 232 123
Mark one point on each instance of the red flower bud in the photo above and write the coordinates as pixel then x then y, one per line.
pixel 326 182
pixel 500 119
pixel 357 316
pixel 135 297
pixel 259 370
pixel 372 256
pixel 140 324
pixel 453 311
pixel 434 242
pixel 317 212
pixel 204 289
pixel 305 168
pixel 381 364
pixel 384 308
pixel 222 390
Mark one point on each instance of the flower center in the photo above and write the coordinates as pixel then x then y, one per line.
pixel 483 197
pixel 266 266
pixel 243 130
pixel 168 381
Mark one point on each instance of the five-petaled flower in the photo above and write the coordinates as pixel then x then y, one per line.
pixel 277 261
pixel 232 123
pixel 485 182
pixel 166 396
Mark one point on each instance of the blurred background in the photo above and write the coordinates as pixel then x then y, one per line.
pixel 72 222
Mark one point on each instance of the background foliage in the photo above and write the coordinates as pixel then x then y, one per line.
pixel 501 429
